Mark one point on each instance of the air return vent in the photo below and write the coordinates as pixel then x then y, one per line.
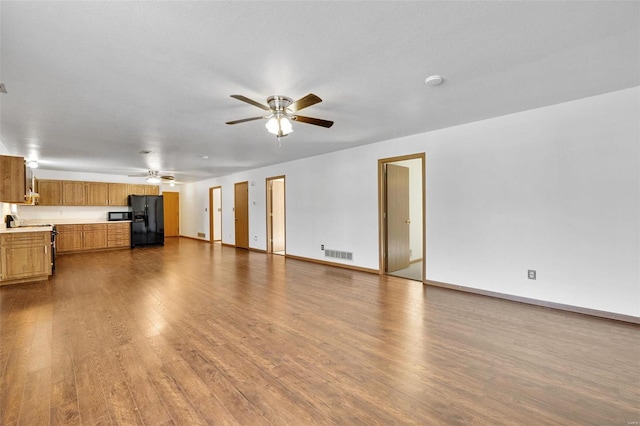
pixel 338 254
pixel 201 235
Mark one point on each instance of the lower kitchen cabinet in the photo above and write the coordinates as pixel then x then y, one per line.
pixel 81 237
pixel 96 236
pixel 25 256
pixel 119 234
pixel 69 238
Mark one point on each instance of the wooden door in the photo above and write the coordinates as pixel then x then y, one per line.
pixel 276 215
pixel 241 211
pixel 397 209
pixel 171 214
pixel 97 194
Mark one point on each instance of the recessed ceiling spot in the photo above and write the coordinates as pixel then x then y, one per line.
pixel 204 157
pixel 433 80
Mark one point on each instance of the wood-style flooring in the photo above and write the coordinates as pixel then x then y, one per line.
pixel 193 333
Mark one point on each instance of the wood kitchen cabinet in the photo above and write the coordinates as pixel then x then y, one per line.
pixel 25 256
pixel 118 235
pixel 69 238
pixel 73 193
pixel 50 192
pixel 94 236
pixel 13 186
pixel 118 193
pixel 97 194
pixel 81 237
pixel 137 189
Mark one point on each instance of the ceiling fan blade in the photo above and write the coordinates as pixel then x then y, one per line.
pixel 251 101
pixel 243 120
pixel 304 102
pixel 315 121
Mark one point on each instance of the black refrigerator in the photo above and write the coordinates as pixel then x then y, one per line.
pixel 147 222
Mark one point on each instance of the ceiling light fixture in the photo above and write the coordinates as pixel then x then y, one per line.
pixel 279 125
pixel 153 179
pixel 33 164
pixel 433 80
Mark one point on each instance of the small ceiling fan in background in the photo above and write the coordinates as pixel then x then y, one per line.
pixel 281 111
pixel 152 176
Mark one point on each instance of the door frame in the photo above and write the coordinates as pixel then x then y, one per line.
pixel 382 225
pixel 270 209
pixel 211 213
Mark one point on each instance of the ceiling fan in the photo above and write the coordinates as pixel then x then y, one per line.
pixel 282 111
pixel 152 176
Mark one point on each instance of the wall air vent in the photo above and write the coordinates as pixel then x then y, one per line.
pixel 338 254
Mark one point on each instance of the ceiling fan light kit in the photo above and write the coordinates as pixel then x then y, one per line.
pixel 153 177
pixel 282 111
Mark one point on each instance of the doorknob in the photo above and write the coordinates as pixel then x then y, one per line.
pixel 407 222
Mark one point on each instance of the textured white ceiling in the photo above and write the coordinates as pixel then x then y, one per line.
pixel 90 84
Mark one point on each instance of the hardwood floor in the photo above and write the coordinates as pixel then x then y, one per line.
pixel 193 333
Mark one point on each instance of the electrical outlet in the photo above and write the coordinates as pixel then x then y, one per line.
pixel 321 246
pixel 531 274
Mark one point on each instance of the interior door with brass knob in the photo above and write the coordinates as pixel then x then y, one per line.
pixel 397 215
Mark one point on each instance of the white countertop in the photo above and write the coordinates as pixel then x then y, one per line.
pixel 26 229
pixel 73 221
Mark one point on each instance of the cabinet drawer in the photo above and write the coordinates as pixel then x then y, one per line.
pixel 69 228
pixel 95 227
pixel 27 238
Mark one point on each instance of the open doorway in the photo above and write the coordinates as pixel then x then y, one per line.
pixel 276 215
pixel 401 216
pixel 215 214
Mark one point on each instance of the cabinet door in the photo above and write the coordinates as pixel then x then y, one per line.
pixel 118 193
pixel 151 190
pixel 69 238
pixel 137 189
pixel 25 255
pixel 50 192
pixel 97 194
pixel 95 236
pixel 73 193
pixel 12 179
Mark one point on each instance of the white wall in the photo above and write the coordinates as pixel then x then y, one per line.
pixel 554 189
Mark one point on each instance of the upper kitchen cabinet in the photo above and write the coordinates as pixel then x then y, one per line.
pixel 97 194
pixel 50 192
pixel 144 189
pixel 118 193
pixel 13 186
pixel 73 193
